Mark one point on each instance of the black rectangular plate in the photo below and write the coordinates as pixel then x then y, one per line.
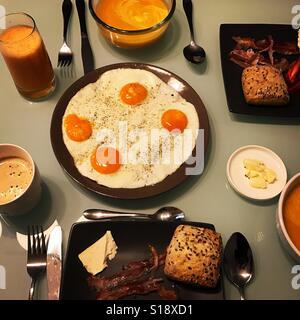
pixel 132 238
pixel 232 72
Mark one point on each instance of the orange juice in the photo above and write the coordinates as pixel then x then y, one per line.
pixel 291 216
pixel 26 57
pixel 132 15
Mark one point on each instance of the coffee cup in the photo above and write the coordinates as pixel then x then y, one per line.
pixel 20 182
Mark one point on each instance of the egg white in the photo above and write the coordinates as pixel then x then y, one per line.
pixel 100 103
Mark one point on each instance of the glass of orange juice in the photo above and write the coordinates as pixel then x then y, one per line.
pixel 26 57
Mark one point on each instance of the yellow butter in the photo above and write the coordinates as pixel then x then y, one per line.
pixel 258 174
pixel 258 182
pixel 270 175
pixel 255 165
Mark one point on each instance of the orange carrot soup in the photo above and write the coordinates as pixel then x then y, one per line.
pixel 291 216
pixel 132 14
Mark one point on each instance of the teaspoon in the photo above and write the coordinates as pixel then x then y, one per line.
pixel 163 214
pixel 192 52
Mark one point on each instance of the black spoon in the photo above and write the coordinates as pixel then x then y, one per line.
pixel 238 262
pixel 192 52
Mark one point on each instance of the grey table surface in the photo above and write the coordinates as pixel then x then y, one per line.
pixel 207 198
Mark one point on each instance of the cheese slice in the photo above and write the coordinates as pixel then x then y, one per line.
pixel 111 247
pixel 95 257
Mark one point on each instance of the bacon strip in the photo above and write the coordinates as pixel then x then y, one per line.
pixel 249 52
pixel 284 48
pixel 131 273
pixel 119 279
pixel 155 258
pixel 140 288
pixel 167 294
pixel 146 262
pixel 244 58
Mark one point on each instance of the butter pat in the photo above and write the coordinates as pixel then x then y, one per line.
pixel 258 174
pixel 95 257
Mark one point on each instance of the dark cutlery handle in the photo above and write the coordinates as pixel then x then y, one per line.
pixel 188 9
pixel 80 5
pixel 86 50
pixel 67 10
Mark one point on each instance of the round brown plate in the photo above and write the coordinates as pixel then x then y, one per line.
pixel 66 161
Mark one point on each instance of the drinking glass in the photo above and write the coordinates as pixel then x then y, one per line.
pixel 26 57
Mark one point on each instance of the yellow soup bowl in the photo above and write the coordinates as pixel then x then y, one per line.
pixel 130 37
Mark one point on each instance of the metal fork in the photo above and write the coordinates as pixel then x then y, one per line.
pixel 36 255
pixel 65 55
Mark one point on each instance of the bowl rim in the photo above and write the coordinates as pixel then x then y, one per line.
pixel 132 32
pixel 282 198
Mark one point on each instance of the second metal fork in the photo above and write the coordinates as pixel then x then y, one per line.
pixel 36 255
pixel 65 55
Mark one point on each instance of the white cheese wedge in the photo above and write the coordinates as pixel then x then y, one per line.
pixel 95 257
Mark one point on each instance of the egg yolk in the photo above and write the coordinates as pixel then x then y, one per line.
pixel 133 93
pixel 106 160
pixel 174 119
pixel 78 129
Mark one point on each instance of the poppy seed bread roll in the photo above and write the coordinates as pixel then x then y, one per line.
pixel 264 85
pixel 194 256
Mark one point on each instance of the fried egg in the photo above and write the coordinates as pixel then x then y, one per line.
pixel 141 104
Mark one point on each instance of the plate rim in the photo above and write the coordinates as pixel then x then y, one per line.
pixel 170 182
pixel 229 178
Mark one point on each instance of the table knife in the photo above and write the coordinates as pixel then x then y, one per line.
pixel 54 263
pixel 86 50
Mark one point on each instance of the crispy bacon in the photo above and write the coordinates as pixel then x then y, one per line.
pixel 146 262
pixel 249 52
pixel 270 50
pixel 244 58
pixel 132 272
pixel 140 288
pixel 154 258
pixel 282 64
pixel 244 43
pixel 119 279
pixel 167 294
pixel 284 48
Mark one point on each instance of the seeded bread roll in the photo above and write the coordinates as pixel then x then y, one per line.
pixel 264 85
pixel 194 256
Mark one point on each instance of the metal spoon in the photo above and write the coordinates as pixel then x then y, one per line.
pixel 192 52
pixel 238 262
pixel 163 214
